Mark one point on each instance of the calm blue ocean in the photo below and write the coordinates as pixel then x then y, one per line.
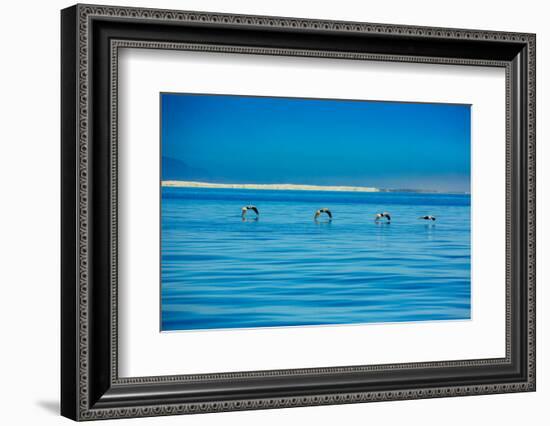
pixel 285 269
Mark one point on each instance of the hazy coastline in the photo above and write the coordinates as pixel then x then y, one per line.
pixel 271 186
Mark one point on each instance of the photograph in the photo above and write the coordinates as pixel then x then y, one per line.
pixel 288 212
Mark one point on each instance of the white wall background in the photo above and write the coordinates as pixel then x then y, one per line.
pixel 29 211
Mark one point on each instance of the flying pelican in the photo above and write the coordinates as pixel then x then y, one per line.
pixel 427 217
pixel 323 210
pixel 382 215
pixel 246 208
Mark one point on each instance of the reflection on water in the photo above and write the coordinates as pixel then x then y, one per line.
pixel 250 219
pixel 219 270
pixel 322 222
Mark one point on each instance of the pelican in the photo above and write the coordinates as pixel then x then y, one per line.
pixel 246 208
pixel 382 215
pixel 427 217
pixel 323 210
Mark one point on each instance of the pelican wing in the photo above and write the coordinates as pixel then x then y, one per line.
pixel 327 211
pixel 254 209
pixel 323 210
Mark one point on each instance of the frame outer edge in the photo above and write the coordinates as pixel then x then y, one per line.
pixel 531 200
pixel 83 13
pixel 69 221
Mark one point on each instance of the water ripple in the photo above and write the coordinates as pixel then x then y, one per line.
pixel 287 270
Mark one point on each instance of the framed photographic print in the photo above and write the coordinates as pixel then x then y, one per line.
pixel 263 212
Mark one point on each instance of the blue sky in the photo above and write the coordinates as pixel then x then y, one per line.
pixel 239 139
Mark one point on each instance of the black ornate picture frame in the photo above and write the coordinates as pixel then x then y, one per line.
pixel 91 37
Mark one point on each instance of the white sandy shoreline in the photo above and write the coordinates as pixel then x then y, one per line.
pixel 274 186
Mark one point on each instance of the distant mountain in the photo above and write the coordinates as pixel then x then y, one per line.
pixel 421 191
pixel 173 169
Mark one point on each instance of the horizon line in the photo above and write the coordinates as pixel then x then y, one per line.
pixel 294 187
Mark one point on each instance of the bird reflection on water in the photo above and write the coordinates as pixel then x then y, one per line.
pixel 250 219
